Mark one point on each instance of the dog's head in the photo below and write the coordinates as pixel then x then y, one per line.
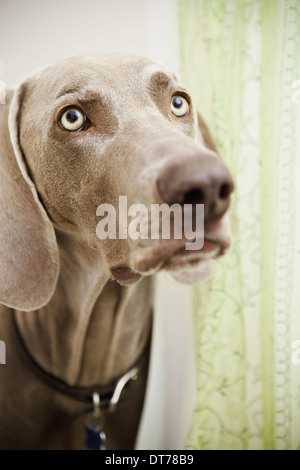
pixel 85 132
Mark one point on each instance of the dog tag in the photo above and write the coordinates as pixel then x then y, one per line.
pixel 95 438
pixel 94 435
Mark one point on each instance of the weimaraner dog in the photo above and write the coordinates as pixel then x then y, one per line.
pixel 76 310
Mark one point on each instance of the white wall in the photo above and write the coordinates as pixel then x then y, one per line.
pixel 34 33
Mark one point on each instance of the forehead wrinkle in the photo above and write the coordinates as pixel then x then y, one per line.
pixel 68 90
pixel 93 88
pixel 156 75
pixel 84 96
pixel 152 69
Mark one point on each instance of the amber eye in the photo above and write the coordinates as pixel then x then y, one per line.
pixel 73 119
pixel 179 106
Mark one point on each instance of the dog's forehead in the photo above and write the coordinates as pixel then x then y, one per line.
pixel 105 72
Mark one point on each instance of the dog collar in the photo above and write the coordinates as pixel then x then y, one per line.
pixel 97 397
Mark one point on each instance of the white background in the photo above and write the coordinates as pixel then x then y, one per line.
pixel 34 33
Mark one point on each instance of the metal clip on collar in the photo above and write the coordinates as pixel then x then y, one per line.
pixel 131 375
pixel 95 435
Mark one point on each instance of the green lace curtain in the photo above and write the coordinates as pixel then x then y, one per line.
pixel 241 59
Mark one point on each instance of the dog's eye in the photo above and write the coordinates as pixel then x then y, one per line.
pixel 179 106
pixel 72 119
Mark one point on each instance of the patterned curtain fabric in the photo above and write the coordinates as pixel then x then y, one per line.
pixel 241 59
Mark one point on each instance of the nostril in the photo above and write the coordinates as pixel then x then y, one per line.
pixel 225 190
pixel 195 196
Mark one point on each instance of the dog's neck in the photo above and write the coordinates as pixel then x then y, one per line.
pixel 93 329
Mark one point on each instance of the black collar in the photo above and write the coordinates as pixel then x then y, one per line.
pixel 109 394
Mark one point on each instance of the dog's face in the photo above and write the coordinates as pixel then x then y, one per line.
pixel 92 129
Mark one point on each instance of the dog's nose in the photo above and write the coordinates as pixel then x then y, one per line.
pixel 204 181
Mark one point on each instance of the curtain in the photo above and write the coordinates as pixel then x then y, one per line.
pixel 241 59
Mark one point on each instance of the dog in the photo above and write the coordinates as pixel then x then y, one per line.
pixel 76 310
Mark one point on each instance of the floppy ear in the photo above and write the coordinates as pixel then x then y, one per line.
pixel 29 260
pixel 208 140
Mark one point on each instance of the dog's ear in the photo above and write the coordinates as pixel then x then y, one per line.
pixel 29 259
pixel 205 134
